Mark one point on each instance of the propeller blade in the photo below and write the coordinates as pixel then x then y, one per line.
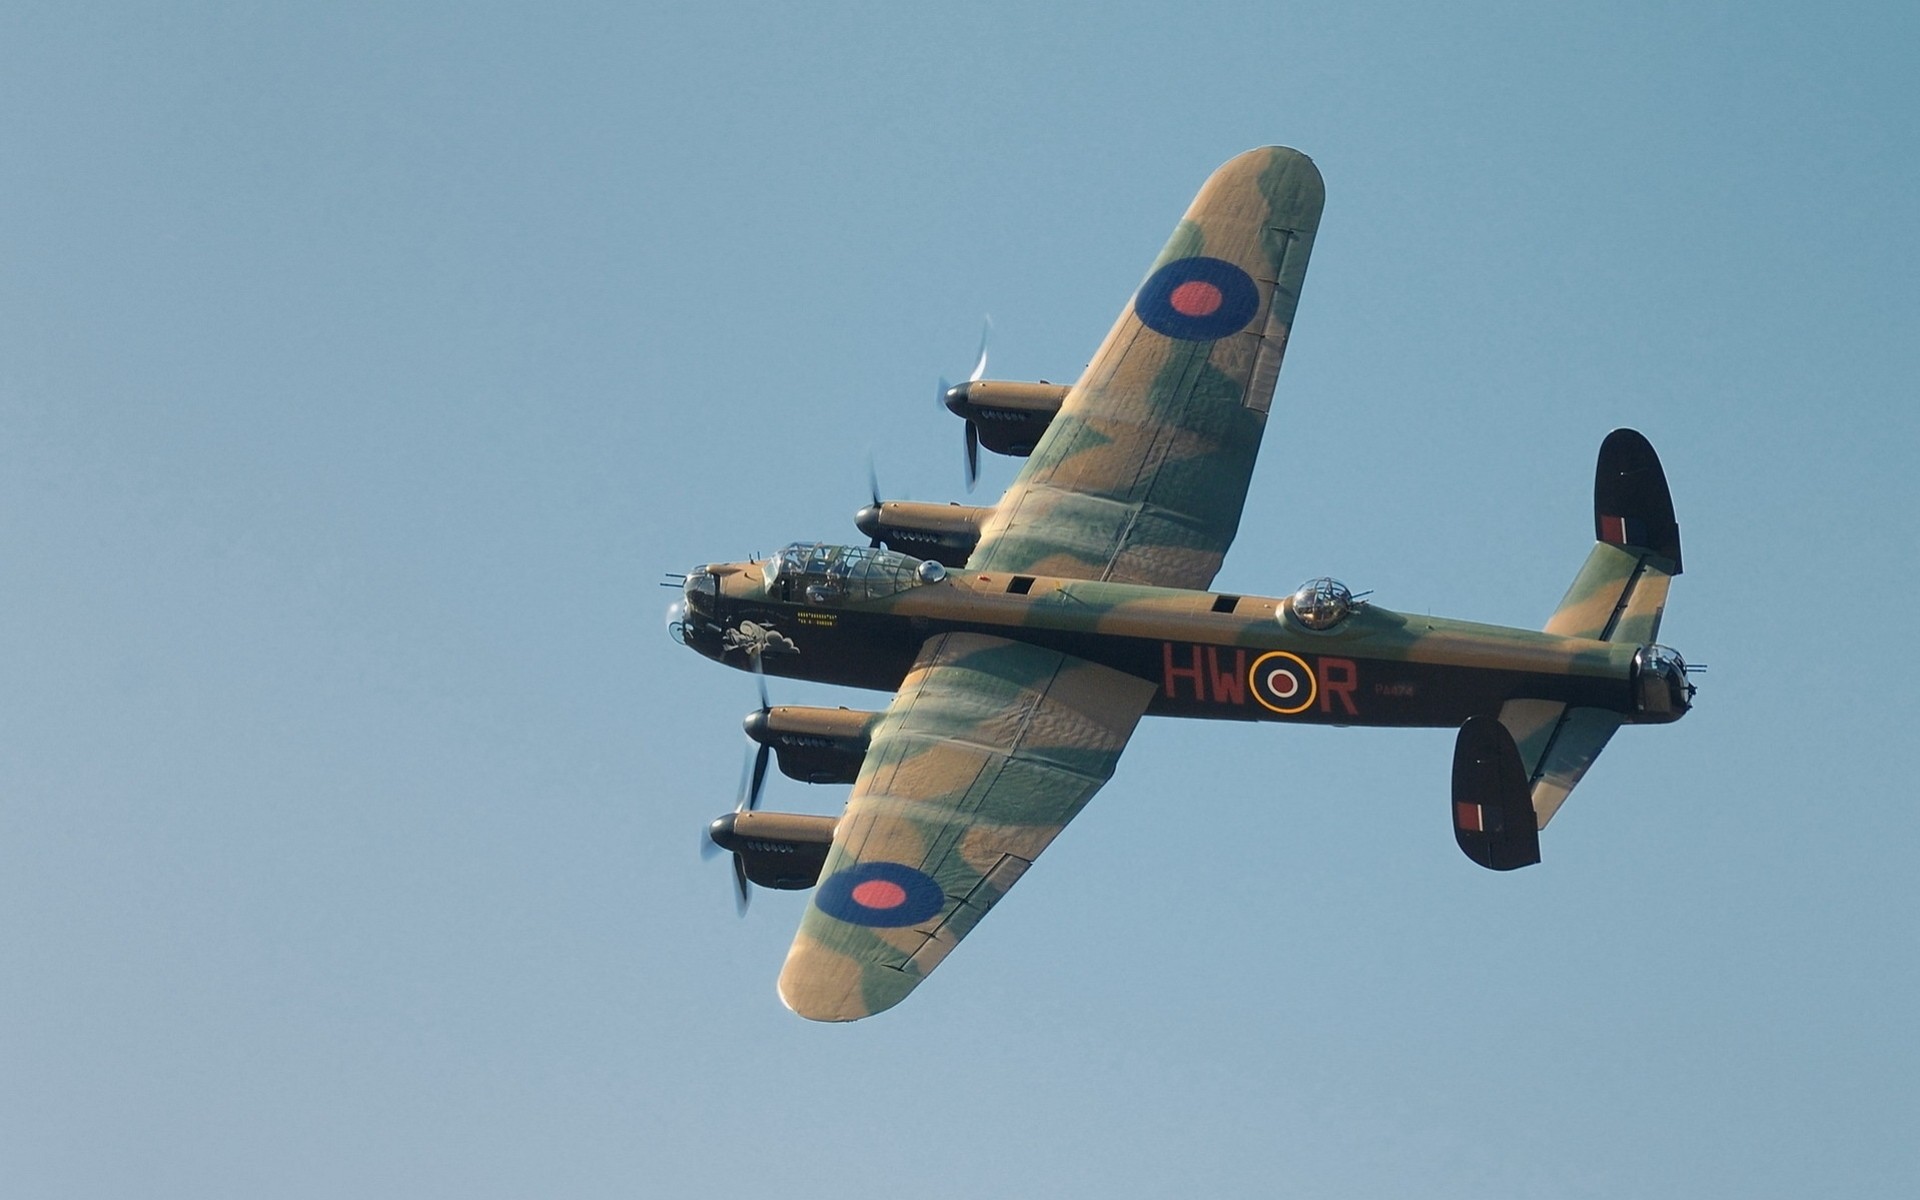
pixel 753 779
pixel 973 455
pixel 759 776
pixel 741 794
pixel 979 366
pixel 742 890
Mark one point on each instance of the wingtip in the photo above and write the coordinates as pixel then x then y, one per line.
pixel 823 985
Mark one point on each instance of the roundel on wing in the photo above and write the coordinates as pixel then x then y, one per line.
pixel 884 894
pixel 1197 299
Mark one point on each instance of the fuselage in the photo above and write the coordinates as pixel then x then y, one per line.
pixel 1212 655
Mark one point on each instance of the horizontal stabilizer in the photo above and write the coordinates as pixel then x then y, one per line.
pixel 1492 811
pixel 1559 744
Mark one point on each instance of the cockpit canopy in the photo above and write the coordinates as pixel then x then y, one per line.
pixel 823 574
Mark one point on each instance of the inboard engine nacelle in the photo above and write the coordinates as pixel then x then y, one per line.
pixel 814 745
pixel 946 533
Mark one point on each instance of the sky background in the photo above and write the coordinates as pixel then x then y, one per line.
pixel 363 369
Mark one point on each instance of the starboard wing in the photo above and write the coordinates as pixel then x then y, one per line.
pixel 1141 476
pixel 987 751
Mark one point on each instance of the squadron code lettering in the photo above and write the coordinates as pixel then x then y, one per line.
pixel 1219 675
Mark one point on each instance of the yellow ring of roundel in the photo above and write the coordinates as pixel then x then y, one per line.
pixel 1306 673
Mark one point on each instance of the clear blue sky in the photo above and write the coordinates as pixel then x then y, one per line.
pixel 361 371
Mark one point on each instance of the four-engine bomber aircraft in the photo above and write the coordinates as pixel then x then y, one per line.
pixel 1025 640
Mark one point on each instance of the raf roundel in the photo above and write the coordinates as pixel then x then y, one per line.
pixel 883 894
pixel 1197 299
pixel 1283 682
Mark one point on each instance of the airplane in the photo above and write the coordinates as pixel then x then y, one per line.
pixel 1022 642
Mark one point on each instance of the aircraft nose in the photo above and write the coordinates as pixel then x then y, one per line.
pixel 867 521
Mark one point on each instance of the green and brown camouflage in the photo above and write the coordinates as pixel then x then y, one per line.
pixel 989 749
pixel 1019 676
pixel 1142 475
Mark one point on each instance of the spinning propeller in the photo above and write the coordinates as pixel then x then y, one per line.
pixel 972 433
pixel 753 776
pixel 867 520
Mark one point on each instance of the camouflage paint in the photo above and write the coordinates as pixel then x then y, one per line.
pixel 989 749
pixel 1142 475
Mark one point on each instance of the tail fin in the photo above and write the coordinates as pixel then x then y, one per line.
pixel 1618 596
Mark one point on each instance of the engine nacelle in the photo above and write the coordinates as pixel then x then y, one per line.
pixel 814 745
pixel 777 850
pixel 1009 416
pixel 945 533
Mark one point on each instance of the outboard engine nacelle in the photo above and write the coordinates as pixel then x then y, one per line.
pixel 1009 416
pixel 776 850
pixel 1661 692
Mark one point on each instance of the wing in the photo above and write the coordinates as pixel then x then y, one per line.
pixel 986 753
pixel 1142 474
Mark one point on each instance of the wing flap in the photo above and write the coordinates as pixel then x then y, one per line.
pixel 988 750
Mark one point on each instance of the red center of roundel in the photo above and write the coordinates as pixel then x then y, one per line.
pixel 879 893
pixel 1196 298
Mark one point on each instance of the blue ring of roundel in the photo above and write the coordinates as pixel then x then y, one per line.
pixel 1239 299
pixel 924 897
